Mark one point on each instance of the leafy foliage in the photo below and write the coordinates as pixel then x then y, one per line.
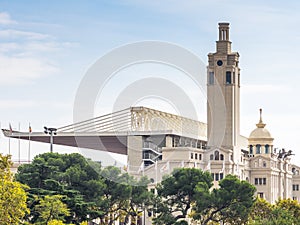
pixel 12 195
pixel 85 188
pixel 230 203
pixel 177 193
pixel 68 175
pixel 282 212
pixel 51 208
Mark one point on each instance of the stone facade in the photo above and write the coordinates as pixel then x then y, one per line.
pixel 227 152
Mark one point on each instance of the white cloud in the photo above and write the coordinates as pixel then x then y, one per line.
pixel 14 70
pixel 5 19
pixel 25 54
pixel 14 34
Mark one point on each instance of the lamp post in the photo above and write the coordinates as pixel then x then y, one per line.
pixel 51 132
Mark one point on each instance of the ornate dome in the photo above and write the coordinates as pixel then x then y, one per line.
pixel 260 131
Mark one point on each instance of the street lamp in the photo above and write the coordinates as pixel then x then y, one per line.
pixel 51 132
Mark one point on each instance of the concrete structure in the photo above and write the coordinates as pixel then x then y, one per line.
pixel 157 142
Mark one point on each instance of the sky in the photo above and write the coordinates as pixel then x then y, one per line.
pixel 46 48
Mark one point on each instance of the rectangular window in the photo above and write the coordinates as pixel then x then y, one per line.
pixel 264 181
pixel 217 176
pixel 260 194
pixel 211 78
pixel 213 176
pixel 192 155
pixel 228 77
pixel 196 156
pixel 200 156
pixel 256 181
pixel 221 176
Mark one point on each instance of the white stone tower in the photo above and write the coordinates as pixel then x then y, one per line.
pixel 223 94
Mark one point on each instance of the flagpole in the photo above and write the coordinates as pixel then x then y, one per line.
pixel 19 145
pixel 10 133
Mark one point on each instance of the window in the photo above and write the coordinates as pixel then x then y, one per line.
pixel 295 198
pixel 192 155
pixel 264 164
pixel 200 156
pixel 267 149
pixel 260 194
pixel 221 176
pixel 295 187
pixel 211 157
pixel 211 78
pixel 217 176
pixel 213 176
pixel 196 156
pixel 251 149
pixel 228 77
pixel 258 149
pixel 216 155
pixel 222 157
pixel 260 181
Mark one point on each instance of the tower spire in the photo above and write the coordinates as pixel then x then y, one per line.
pixel 260 123
pixel 223 44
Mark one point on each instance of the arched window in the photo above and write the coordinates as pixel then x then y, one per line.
pixel 211 157
pixel 222 157
pixel 216 155
pixel 258 149
pixel 251 149
pixel 267 147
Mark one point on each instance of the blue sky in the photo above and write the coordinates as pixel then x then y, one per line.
pixel 46 48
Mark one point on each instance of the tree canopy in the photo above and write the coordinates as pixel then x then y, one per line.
pixel 177 193
pixel 231 202
pixel 12 195
pixel 85 188
pixel 284 211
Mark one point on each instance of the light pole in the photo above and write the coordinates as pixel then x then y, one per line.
pixel 51 132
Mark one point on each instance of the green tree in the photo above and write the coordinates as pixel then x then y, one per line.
pixel 123 196
pixel 284 211
pixel 230 203
pixel 261 209
pixel 51 208
pixel 12 195
pixel 70 175
pixel 292 206
pixel 177 193
pixel 88 189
